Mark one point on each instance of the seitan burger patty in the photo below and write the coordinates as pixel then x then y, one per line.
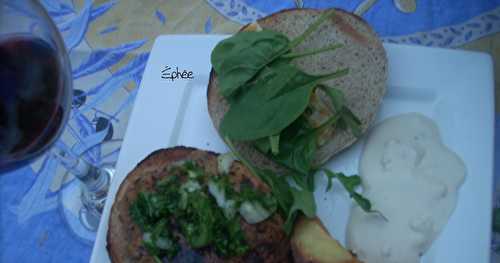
pixel 267 240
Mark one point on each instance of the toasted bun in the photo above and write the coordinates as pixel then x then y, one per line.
pixel 267 240
pixel 364 86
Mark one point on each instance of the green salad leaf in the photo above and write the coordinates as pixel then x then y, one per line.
pixel 349 183
pixel 347 118
pixel 291 201
pixel 496 220
pixel 268 96
pixel 303 201
pixel 298 147
pixel 239 58
pixel 250 117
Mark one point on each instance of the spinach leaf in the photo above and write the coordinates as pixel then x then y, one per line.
pixel 298 144
pixel 297 153
pixel 262 144
pixel 274 141
pixel 349 183
pixel 336 97
pixel 250 117
pixel 239 58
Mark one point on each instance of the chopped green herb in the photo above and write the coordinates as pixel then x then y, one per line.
pixel 148 208
pixel 186 204
pixel 230 240
pixel 198 219
pixel 159 242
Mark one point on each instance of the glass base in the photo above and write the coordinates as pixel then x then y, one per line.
pixel 82 210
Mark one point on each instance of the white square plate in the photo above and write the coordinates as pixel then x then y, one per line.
pixel 454 88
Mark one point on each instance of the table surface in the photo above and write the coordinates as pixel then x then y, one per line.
pixel 109 43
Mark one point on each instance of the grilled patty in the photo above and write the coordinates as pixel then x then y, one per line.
pixel 267 240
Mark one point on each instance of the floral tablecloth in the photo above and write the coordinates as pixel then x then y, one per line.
pixel 109 43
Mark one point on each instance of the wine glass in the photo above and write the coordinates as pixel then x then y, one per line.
pixel 35 79
pixel 35 104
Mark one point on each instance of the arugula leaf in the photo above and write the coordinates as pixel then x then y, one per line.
pixel 349 183
pixel 239 58
pixel 351 121
pixel 297 41
pixel 304 202
pixel 496 220
pixel 311 52
pixel 250 117
pixel 347 118
pixel 290 200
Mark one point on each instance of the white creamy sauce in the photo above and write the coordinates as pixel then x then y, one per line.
pixel 412 179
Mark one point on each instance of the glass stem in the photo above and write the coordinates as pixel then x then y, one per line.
pixel 95 180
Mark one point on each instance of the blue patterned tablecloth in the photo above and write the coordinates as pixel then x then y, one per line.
pixel 109 42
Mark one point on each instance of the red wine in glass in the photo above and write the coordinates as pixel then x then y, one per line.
pixel 34 99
